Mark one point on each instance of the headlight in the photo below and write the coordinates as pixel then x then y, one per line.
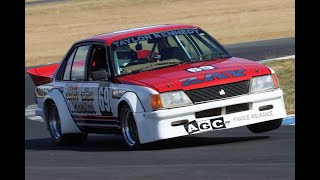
pixel 169 99
pixel 264 83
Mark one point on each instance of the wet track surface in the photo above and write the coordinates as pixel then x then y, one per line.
pixel 228 154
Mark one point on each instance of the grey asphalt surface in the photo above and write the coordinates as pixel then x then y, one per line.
pixel 228 154
pixel 266 49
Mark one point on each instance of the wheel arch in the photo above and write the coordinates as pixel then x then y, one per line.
pixel 132 100
pixel 46 106
pixel 120 106
pixel 68 126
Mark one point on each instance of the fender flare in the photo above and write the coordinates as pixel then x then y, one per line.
pixel 136 107
pixel 133 101
pixel 68 126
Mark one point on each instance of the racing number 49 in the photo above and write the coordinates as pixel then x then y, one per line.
pixel 104 102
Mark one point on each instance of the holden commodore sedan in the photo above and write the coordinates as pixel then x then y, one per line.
pixel 153 83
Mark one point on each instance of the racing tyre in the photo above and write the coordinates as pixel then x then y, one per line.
pixel 54 126
pixel 265 126
pixel 129 128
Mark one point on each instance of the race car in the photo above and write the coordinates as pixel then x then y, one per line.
pixel 153 83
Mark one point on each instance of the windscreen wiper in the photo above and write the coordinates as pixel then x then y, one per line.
pixel 199 58
pixel 153 66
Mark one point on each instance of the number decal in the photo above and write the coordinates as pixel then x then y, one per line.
pixel 206 67
pixel 194 70
pixel 104 101
pixel 201 68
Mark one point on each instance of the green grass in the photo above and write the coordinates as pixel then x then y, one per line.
pixel 285 70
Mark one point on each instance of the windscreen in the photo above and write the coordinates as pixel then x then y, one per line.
pixel 168 48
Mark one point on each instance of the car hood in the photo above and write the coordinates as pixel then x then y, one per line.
pixel 197 75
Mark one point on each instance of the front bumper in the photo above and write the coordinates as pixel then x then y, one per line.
pixel 156 125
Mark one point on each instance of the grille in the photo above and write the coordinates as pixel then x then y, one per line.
pixel 212 93
pixel 218 111
pixel 208 113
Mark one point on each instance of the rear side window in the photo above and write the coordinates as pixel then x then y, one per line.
pixel 67 71
pixel 78 65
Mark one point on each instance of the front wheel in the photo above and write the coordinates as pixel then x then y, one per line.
pixel 265 126
pixel 129 128
pixel 54 126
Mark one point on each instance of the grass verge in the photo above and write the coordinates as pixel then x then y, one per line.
pixel 285 70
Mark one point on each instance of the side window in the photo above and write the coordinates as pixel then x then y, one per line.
pixel 79 62
pixel 66 75
pixel 98 67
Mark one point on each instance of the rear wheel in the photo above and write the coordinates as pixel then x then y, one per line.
pixel 265 126
pixel 129 128
pixel 54 126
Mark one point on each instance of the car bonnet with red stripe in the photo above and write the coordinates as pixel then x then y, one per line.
pixel 197 75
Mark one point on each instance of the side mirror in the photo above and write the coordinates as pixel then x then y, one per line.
pixel 100 75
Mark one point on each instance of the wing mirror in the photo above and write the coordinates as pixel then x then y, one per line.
pixel 100 75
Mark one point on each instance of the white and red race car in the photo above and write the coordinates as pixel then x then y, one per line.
pixel 152 83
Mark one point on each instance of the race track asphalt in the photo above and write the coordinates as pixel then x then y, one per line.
pixel 228 154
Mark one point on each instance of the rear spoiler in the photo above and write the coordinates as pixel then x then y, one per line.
pixel 42 74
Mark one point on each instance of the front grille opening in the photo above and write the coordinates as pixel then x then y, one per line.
pixel 180 122
pixel 237 108
pixel 264 108
pixel 209 113
pixel 215 92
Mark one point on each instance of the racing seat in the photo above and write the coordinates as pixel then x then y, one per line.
pixel 133 56
pixel 99 62
pixel 172 53
pixel 125 52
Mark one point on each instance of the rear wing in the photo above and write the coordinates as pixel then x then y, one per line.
pixel 42 74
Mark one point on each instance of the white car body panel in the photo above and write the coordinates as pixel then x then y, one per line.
pixel 157 125
pixel 67 123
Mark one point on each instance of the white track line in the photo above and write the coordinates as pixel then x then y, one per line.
pixel 279 58
pixel 36 118
pixel 31 114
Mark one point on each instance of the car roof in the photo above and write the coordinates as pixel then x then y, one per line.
pixel 108 38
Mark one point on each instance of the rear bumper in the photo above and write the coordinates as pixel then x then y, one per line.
pixel 156 125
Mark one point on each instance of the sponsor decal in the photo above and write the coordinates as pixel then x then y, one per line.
pixel 155 36
pixel 89 99
pixel 222 92
pixel 261 114
pixel 117 93
pixel 86 96
pixel 104 99
pixel 80 102
pixel 201 68
pixel 205 125
pixel 213 76
pixel 248 117
pixel 42 91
